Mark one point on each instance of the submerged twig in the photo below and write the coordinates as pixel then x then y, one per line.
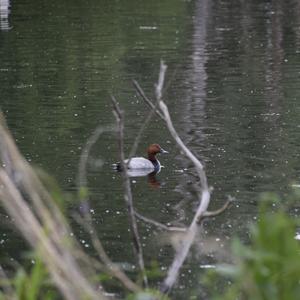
pixel 127 190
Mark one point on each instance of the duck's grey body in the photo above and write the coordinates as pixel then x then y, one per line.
pixel 139 166
pixel 140 163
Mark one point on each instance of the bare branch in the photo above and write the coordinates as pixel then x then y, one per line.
pixel 42 223
pixel 127 190
pixel 161 79
pixel 56 256
pixel 205 191
pixel 198 165
pixel 203 201
pixel 185 245
pixel 87 222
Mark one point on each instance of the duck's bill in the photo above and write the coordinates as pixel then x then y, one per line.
pixel 163 151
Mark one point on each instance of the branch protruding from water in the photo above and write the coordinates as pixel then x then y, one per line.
pixel 205 192
pixel 118 113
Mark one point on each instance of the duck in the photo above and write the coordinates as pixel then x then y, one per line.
pixel 141 166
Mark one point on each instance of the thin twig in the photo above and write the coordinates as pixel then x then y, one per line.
pixel 108 266
pixel 209 214
pixel 127 190
pixel 85 153
pixel 82 171
pixel 159 225
pixel 146 99
pixel 154 109
pixel 139 135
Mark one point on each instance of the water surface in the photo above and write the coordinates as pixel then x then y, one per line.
pixel 233 93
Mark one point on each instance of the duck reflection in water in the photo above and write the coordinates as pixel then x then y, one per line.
pixel 4 15
pixel 152 180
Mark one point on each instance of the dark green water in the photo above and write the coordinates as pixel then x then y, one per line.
pixel 234 77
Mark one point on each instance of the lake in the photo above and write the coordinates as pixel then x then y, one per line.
pixel 233 94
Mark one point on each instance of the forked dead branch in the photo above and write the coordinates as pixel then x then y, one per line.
pixel 204 197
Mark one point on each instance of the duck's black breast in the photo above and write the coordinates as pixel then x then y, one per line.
pixel 156 165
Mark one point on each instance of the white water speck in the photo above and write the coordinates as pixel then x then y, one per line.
pixel 148 27
pixel 207 266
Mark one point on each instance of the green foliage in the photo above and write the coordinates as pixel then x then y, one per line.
pixel 154 271
pixel 269 268
pixel 30 285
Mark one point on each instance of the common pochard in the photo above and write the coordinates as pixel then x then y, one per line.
pixel 140 166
